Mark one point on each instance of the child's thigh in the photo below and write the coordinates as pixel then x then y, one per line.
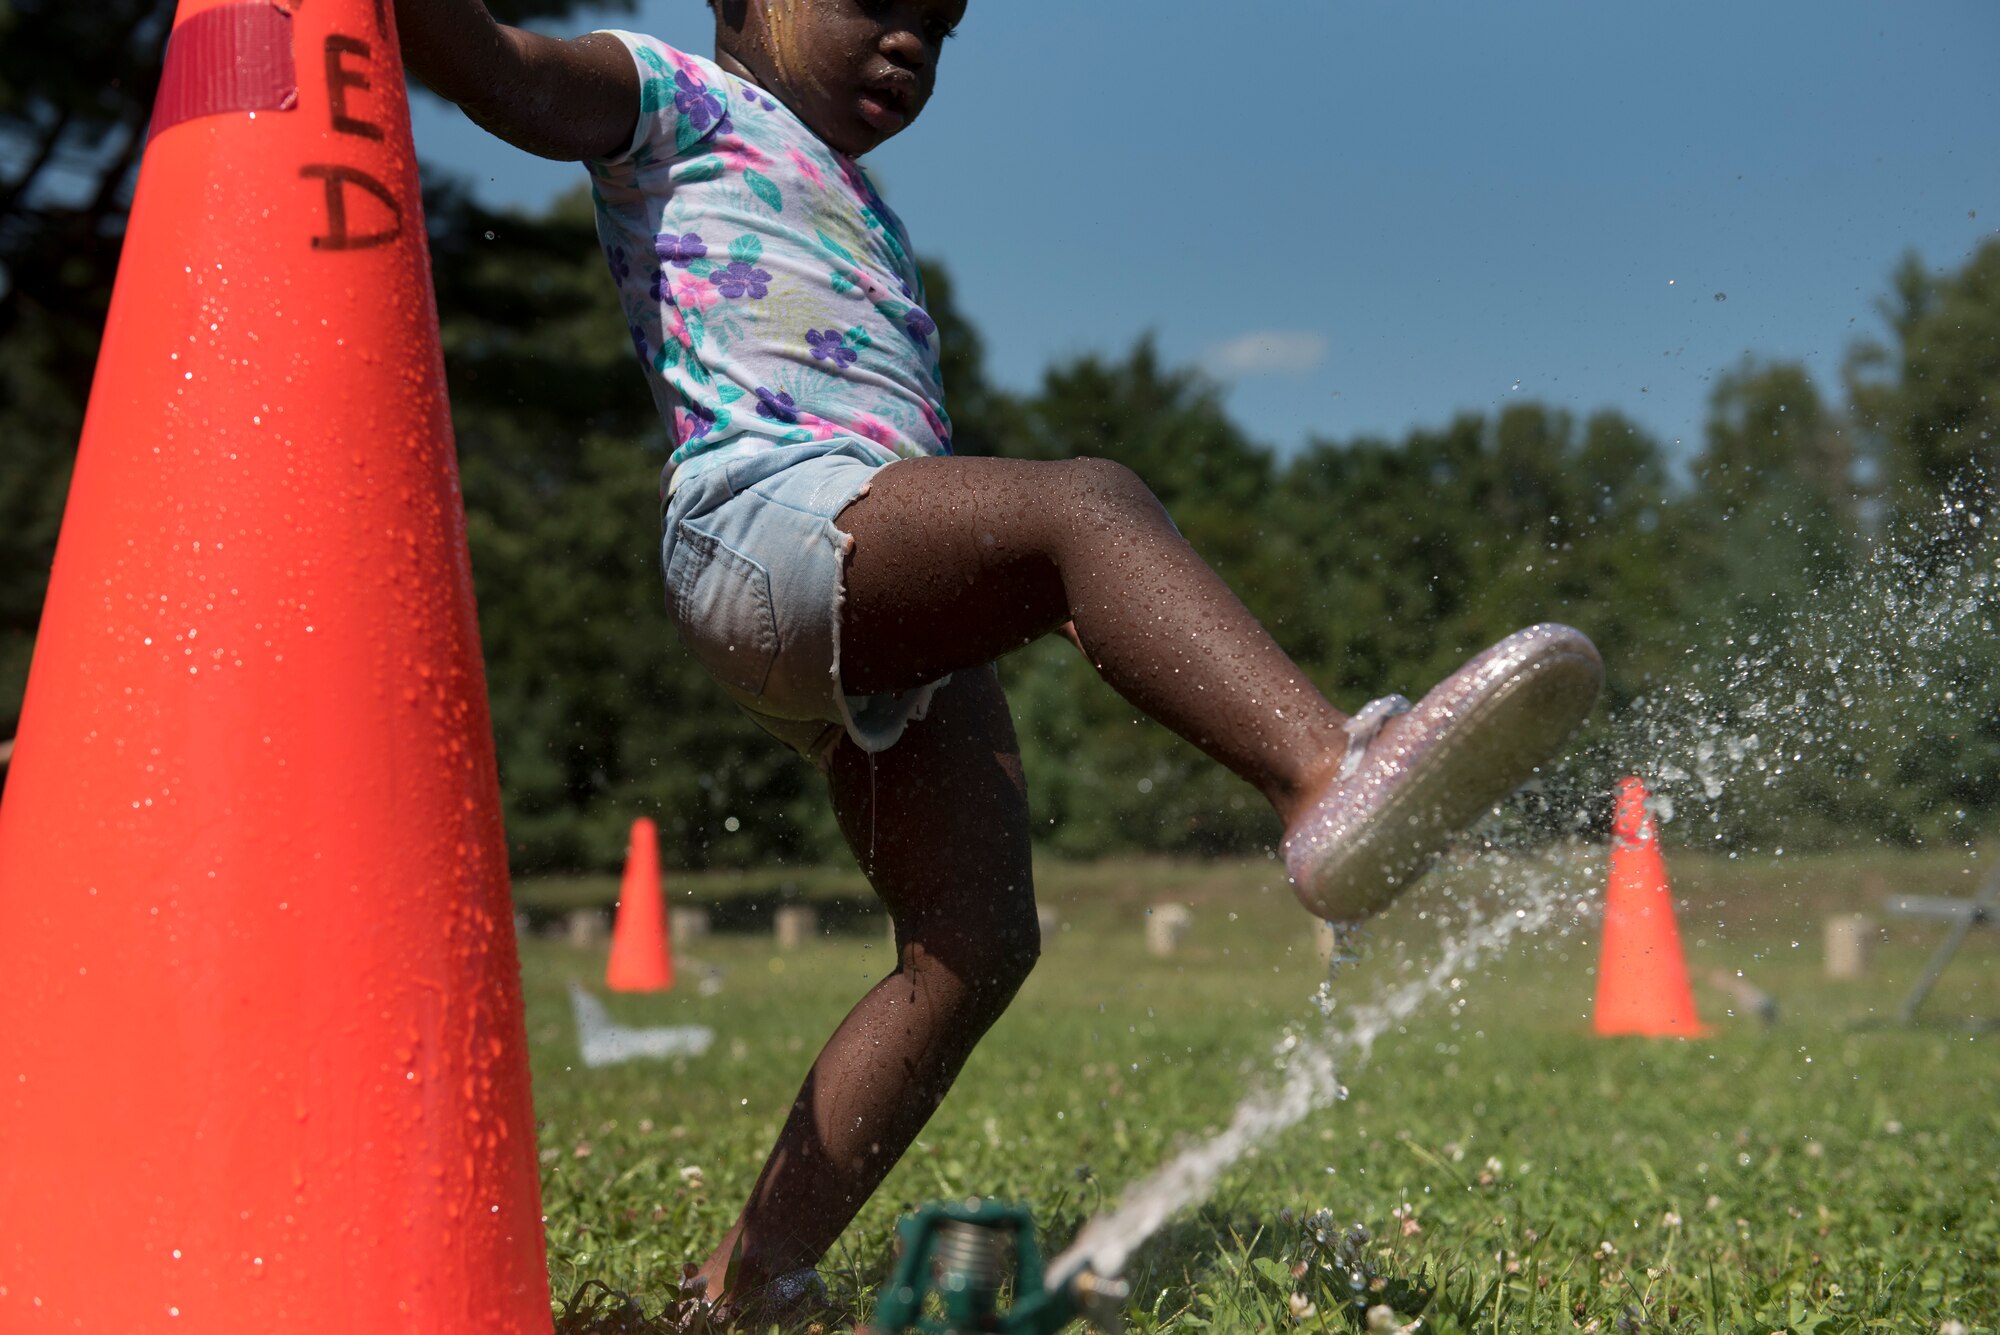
pixel 939 822
pixel 953 565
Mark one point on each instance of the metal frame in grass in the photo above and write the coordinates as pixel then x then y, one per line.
pixel 1983 910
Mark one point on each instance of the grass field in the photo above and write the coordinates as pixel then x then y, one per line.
pixel 1829 1173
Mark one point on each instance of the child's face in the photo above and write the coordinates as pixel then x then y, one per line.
pixel 855 71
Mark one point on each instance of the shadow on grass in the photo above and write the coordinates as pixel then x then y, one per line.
pixel 598 1309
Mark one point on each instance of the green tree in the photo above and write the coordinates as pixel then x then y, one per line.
pixel 985 419
pixel 1774 513
pixel 1100 776
pixel 1769 432
pixel 1168 425
pixel 40 421
pixel 1419 551
pixel 1931 394
pixel 598 714
pixel 76 92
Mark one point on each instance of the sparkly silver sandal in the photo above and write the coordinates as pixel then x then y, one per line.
pixel 1414 775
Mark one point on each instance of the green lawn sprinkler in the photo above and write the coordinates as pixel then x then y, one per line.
pixel 954 1259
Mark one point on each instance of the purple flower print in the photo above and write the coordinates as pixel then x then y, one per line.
pixel 620 270
pixel 777 407
pixel 679 251
pixel 693 100
pixel 661 290
pixel 740 279
pixel 918 325
pixel 639 343
pixel 696 422
pixel 831 345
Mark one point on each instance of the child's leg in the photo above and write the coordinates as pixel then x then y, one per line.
pixel 957 561
pixel 941 828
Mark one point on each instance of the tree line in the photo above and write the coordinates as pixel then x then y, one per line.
pixel 1796 618
pixel 1378 564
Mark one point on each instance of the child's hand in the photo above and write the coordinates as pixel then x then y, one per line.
pixel 568 100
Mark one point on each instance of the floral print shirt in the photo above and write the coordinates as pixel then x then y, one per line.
pixel 771 294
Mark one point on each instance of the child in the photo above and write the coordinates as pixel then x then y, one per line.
pixel 849 582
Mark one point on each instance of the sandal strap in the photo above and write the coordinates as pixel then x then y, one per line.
pixel 1365 724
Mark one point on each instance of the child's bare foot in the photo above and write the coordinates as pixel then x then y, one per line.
pixel 1414 776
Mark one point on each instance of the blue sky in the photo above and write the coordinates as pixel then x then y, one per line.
pixel 1364 215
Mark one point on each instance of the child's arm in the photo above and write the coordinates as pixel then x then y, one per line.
pixel 567 100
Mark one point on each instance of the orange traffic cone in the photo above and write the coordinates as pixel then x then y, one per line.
pixel 641 960
pixel 260 1010
pixel 1642 981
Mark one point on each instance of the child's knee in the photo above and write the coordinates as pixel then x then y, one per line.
pixel 1005 965
pixel 1107 488
pixel 992 952
pixel 1018 947
pixel 1104 478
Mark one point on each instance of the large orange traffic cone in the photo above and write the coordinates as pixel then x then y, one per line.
pixel 641 960
pixel 262 1060
pixel 1642 981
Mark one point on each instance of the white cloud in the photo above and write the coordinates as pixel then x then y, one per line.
pixel 1267 352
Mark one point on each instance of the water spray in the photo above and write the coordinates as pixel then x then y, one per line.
pixel 955 1258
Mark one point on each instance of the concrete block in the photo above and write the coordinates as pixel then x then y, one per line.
pixel 1167 925
pixel 1850 945
pixel 796 924
pixel 687 924
pixel 588 927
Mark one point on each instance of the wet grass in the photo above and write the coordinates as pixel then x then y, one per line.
pixel 1829 1173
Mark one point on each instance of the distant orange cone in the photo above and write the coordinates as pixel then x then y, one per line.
pixel 641 960
pixel 262 1059
pixel 1642 981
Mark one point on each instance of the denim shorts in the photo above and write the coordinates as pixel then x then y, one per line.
pixel 756 575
